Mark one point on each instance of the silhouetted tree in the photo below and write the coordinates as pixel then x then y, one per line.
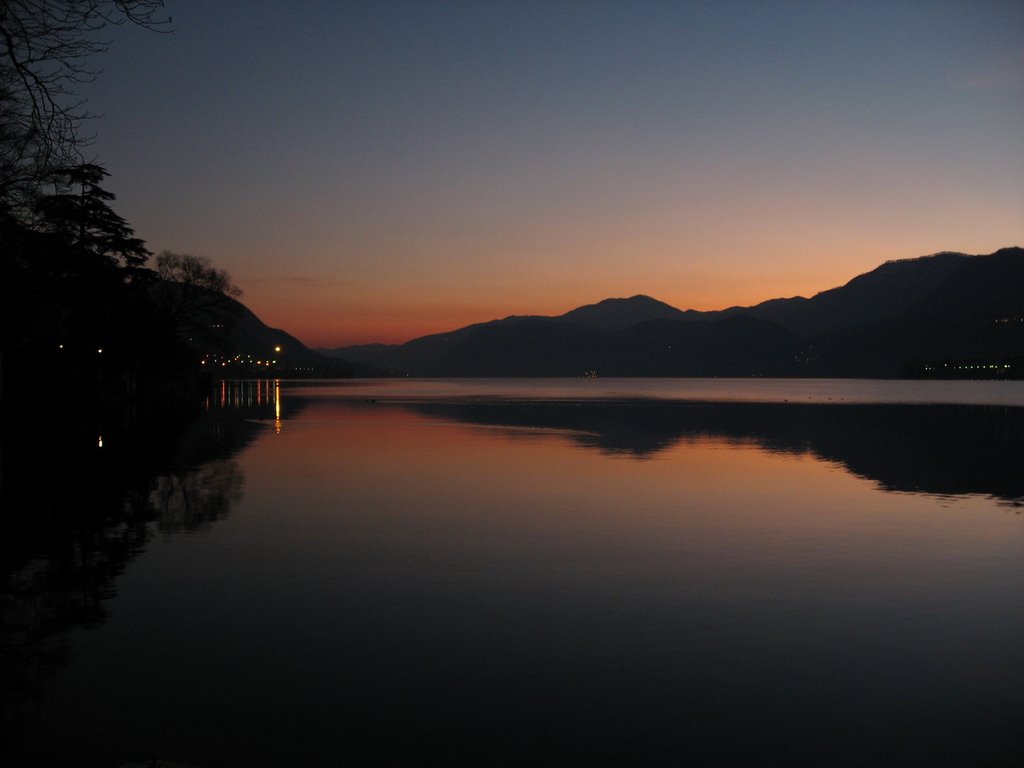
pixel 190 296
pixel 79 215
pixel 82 258
pixel 195 274
pixel 74 280
pixel 45 52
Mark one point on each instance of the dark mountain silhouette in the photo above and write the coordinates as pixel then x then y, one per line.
pixel 946 315
pixel 887 291
pixel 739 345
pixel 250 335
pixel 222 330
pixel 619 314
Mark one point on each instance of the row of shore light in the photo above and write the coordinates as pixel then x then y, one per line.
pixel 239 360
pixel 979 367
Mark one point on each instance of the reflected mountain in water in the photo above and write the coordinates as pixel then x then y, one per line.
pixel 935 449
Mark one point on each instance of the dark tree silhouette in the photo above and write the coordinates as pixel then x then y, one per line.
pixel 79 214
pixel 74 282
pixel 46 47
pixel 195 275
pixel 190 295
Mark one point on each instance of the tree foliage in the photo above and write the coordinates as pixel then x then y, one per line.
pixel 75 293
pixel 190 295
pixel 46 52
pixel 78 212
pixel 195 273
pixel 73 273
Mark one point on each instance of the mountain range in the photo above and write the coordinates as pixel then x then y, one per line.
pixel 944 315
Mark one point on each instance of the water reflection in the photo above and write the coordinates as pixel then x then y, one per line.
pixel 77 510
pixel 191 500
pixel 637 583
pixel 936 449
pixel 509 583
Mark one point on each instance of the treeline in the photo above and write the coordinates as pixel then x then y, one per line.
pixel 84 301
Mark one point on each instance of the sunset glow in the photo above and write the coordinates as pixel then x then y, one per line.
pixel 381 171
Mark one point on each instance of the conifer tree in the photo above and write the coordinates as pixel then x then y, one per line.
pixel 79 215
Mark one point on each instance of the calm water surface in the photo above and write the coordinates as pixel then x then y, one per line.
pixel 718 390
pixel 623 572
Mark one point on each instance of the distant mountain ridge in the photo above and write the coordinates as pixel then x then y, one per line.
pixel 906 317
pixel 886 291
pixel 620 314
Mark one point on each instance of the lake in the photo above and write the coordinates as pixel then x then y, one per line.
pixel 522 572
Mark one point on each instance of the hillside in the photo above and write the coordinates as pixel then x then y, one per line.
pixel 230 338
pixel 887 291
pixel 935 315
pixel 619 314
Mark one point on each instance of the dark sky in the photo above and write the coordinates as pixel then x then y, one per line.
pixel 379 170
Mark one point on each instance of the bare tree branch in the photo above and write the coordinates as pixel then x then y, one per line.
pixel 47 50
pixel 190 294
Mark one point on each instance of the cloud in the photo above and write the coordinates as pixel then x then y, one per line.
pixel 1006 72
pixel 298 280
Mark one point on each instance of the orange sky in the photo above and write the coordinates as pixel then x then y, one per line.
pixel 326 314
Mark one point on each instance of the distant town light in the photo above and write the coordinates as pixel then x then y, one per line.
pixel 277 349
